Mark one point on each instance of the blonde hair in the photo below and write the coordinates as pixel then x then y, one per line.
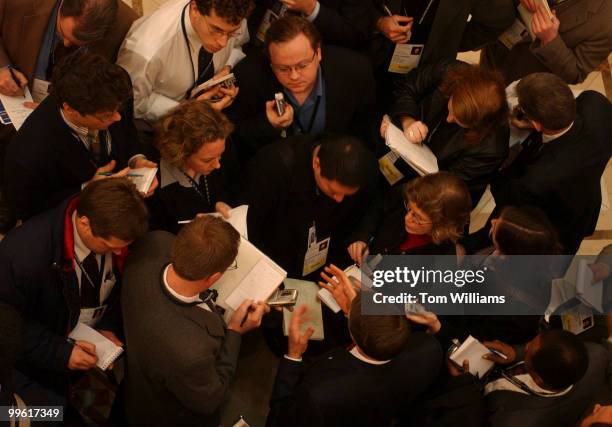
pixel 184 130
pixel 445 199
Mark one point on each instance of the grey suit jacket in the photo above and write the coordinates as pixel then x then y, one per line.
pixel 180 358
pixel 584 42
pixel 22 29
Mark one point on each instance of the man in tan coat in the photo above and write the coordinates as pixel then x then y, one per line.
pixel 571 44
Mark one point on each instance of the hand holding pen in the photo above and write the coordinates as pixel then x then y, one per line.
pixel 395 27
pixel 12 82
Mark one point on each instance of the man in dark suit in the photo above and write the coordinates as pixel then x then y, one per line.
pixel 346 23
pixel 561 163
pixel 386 370
pixel 73 137
pixel 182 355
pixel 329 89
pixel 64 267
pixel 35 36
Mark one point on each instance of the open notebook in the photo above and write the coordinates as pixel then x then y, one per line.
pixel 106 350
pixel 418 156
pixel 307 295
pixel 256 278
pixel 142 178
pixel 473 350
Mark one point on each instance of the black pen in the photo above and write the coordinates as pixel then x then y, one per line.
pixel 249 310
pixel 15 79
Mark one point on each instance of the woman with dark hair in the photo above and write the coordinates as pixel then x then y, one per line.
pixel 427 218
pixel 460 112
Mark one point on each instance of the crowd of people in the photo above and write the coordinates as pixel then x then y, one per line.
pixel 297 135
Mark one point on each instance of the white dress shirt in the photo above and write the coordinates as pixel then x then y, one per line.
pixel 180 297
pixel 157 57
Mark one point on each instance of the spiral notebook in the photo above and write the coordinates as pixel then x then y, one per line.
pixel 106 350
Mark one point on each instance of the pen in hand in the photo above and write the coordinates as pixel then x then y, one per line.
pixel 388 12
pixel 15 79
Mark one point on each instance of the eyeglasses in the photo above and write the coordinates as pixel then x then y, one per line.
pixel 415 217
pixel 286 69
pixel 234 266
pixel 217 32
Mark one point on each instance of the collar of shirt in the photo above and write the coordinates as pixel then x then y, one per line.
pixel 180 297
pixel 305 111
pixel 170 174
pixel 79 131
pixel 359 356
pixel 80 250
pixel 504 384
pixel 312 96
pixel 548 138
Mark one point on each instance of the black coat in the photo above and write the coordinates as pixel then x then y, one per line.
pixel 283 198
pixel 562 177
pixel 475 162
pixel 345 23
pixel 37 278
pixel 349 96
pixel 45 162
pixel 341 390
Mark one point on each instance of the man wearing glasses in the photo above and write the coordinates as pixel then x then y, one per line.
pixel 78 134
pixel 180 46
pixel 325 89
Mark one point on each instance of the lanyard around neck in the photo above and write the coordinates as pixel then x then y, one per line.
pixel 184 28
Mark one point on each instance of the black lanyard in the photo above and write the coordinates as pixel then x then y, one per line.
pixel 198 188
pixel 84 272
pixel 190 57
pixel 313 116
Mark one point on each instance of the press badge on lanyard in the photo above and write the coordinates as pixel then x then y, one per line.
pixel 316 252
pixel 92 315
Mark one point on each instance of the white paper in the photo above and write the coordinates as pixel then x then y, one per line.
pixel 588 292
pixel 257 285
pixel 106 350
pixel 143 182
pixel 473 350
pixel 15 109
pixel 527 16
pixel 418 156
pixel 328 299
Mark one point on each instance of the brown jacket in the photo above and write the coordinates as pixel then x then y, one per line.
pixel 22 29
pixel 584 42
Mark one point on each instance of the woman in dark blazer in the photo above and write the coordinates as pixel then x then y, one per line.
pixel 424 217
pixel 460 112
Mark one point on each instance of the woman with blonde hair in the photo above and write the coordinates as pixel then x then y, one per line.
pixel 191 141
pixel 428 218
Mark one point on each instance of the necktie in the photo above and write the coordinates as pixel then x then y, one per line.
pixel 209 297
pixel 93 139
pixel 205 66
pixel 91 280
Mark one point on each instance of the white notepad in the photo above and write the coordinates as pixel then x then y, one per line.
pixel 473 350
pixel 307 295
pixel 527 16
pixel 15 109
pixel 209 84
pixel 106 350
pixel 144 181
pixel 256 278
pixel 418 156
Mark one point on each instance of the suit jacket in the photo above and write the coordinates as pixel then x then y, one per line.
pixel 349 95
pixel 451 32
pixel 23 25
pixel 45 162
pixel 339 389
pixel 284 201
pixel 345 23
pixel 37 277
pixel 180 357
pixel 474 162
pixel 562 177
pixel 583 43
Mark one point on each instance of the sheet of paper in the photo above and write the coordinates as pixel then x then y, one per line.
pixel 418 156
pixel 144 180
pixel 257 285
pixel 307 295
pixel 473 350
pixel 15 109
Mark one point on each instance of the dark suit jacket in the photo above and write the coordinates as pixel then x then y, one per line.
pixel 349 95
pixel 180 358
pixel 37 278
pixel 45 162
pixel 475 162
pixel 562 178
pixel 283 198
pixel 341 390
pixel 23 24
pixel 451 32
pixel 345 23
